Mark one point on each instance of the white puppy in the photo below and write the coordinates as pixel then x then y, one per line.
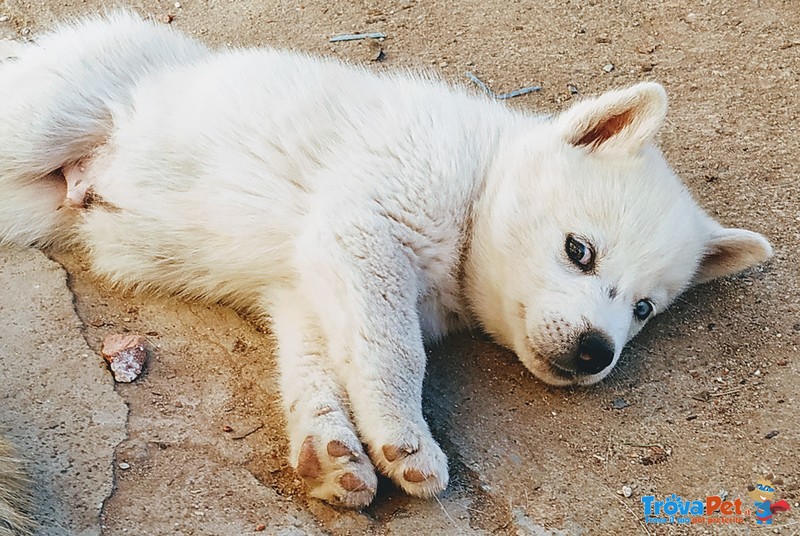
pixel 363 213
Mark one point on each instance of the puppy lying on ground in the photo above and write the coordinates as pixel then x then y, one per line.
pixel 363 213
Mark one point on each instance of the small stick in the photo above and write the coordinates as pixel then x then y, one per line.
pixel 518 92
pixel 481 84
pixel 453 521
pixel 355 37
pixel 725 393
pixel 502 96
pixel 247 433
pixel 644 445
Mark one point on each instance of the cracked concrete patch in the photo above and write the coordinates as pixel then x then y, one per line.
pixel 58 402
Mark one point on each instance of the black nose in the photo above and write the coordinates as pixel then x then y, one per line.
pixel 595 352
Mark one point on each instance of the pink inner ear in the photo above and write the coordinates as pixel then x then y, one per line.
pixel 606 129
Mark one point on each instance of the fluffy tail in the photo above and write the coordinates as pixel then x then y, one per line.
pixel 57 99
pixel 15 504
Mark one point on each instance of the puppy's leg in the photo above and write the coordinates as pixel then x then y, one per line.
pixel 364 290
pixel 324 447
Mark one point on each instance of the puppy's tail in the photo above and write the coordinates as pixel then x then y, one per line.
pixel 58 98
pixel 15 504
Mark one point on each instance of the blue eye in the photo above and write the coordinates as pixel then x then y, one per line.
pixel 643 309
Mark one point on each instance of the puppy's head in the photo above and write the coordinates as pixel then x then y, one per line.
pixel 584 234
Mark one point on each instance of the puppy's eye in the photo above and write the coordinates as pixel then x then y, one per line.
pixel 643 309
pixel 580 253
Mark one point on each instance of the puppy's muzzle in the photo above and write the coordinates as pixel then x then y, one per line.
pixel 593 353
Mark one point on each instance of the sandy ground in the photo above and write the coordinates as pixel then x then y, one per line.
pixel 689 410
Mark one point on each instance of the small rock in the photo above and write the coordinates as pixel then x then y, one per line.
pixel 124 466
pixel 757 373
pixel 772 434
pixel 619 403
pixel 657 455
pixel 166 18
pixel 25 31
pixel 608 67
pixel 646 49
pixel 261 527
pixel 227 429
pixel 573 89
pixel 646 67
pixel 178 5
pixel 627 491
pixel 374 50
pixel 126 355
pixel 4 18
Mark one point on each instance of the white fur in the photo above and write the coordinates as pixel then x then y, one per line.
pixel 15 488
pixel 364 213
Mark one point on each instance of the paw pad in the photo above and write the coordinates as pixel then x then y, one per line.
pixel 351 482
pixel 415 475
pixel 308 464
pixel 393 453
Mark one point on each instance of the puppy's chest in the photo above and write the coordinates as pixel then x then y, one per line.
pixel 434 240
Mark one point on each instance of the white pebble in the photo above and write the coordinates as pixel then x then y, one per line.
pixel 124 466
pixel 4 18
pixel 608 67
pixel 627 491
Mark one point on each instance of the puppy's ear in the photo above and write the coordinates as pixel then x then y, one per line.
pixel 618 121
pixel 729 251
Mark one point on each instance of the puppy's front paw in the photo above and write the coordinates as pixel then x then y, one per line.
pixel 417 465
pixel 337 470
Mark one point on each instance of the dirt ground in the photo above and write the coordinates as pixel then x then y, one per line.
pixel 692 409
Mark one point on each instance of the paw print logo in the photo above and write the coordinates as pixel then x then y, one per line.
pixel 762 494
